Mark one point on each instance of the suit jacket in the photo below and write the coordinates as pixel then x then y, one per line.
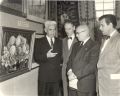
pixel 66 51
pixel 66 54
pixel 83 62
pixel 50 69
pixel 108 64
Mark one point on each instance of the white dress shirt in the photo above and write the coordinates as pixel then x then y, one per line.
pixel 70 40
pixel 86 40
pixel 49 40
pixel 106 41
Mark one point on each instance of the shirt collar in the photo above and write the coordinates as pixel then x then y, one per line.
pixel 73 35
pixel 112 33
pixel 86 40
pixel 48 38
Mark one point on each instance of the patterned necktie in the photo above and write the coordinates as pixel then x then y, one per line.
pixel 51 43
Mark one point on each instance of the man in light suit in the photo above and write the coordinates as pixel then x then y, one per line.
pixel 82 64
pixel 67 47
pixel 48 53
pixel 109 59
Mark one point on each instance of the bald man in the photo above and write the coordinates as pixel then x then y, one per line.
pixel 82 64
pixel 48 53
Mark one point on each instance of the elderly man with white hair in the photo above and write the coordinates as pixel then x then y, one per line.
pixel 48 53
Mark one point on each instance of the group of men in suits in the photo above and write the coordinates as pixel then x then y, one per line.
pixel 85 64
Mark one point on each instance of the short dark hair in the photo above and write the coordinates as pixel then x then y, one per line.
pixel 109 18
pixel 68 21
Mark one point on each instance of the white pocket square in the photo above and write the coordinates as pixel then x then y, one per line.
pixel 115 76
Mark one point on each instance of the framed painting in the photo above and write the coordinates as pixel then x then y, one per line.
pixel 16 51
pixel 15 7
pixel 36 10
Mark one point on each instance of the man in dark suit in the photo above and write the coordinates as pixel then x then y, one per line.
pixel 68 42
pixel 82 64
pixel 48 53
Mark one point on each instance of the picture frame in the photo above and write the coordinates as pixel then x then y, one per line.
pixel 36 10
pixel 39 35
pixel 16 51
pixel 14 7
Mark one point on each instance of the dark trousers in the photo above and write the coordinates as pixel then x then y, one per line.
pixel 49 88
pixel 86 93
pixel 74 92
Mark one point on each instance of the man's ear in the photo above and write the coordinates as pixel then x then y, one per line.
pixel 45 30
pixel 111 24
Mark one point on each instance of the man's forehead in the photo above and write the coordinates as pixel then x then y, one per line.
pixel 51 27
pixel 102 21
pixel 82 28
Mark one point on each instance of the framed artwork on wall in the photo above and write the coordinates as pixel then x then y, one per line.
pixel 15 7
pixel 36 10
pixel 16 51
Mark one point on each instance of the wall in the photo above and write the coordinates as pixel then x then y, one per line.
pixel 22 85
pixel 70 8
pixel 13 21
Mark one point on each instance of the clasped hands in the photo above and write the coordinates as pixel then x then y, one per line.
pixel 71 75
pixel 50 54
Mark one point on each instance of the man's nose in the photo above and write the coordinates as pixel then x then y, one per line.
pixel 100 28
pixel 76 35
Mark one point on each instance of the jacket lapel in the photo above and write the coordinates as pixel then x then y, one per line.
pixel 75 40
pixel 108 44
pixel 83 50
pixel 66 44
pixel 47 43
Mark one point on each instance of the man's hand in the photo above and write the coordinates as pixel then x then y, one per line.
pixel 50 54
pixel 71 75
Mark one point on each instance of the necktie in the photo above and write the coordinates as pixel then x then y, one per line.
pixel 105 37
pixel 70 38
pixel 81 43
pixel 105 41
pixel 51 43
pixel 69 42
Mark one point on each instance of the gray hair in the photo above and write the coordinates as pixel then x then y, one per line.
pixel 50 23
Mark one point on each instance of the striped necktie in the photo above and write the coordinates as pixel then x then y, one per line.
pixel 51 43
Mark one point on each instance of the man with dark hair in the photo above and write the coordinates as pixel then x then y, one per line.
pixel 109 19
pixel 68 42
pixel 109 59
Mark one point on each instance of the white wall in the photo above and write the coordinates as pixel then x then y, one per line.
pixel 22 85
pixel 13 21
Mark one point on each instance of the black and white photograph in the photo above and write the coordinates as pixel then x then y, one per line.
pixel 59 48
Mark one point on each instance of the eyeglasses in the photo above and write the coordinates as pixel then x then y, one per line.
pixel 77 33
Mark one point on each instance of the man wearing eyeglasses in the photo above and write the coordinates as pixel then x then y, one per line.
pixel 82 64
